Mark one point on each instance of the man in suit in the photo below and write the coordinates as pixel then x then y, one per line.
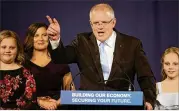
pixel 107 59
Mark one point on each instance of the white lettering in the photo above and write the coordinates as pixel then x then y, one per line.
pixel 82 94
pixel 83 100
pixel 121 100
pixel 103 100
pixel 100 95
pixel 119 95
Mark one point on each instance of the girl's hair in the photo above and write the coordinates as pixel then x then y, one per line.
pixel 20 53
pixel 167 51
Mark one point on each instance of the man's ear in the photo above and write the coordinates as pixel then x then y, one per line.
pixel 114 22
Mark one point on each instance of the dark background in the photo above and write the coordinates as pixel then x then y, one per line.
pixel 154 22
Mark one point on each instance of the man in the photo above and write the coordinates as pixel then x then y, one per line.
pixel 107 59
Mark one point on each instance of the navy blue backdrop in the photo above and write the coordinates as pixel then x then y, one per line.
pixel 154 22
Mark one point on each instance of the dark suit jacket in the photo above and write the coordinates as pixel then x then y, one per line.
pixel 129 59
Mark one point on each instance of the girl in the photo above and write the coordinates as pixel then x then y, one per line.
pixel 17 85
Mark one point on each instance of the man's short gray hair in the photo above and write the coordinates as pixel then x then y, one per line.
pixel 103 7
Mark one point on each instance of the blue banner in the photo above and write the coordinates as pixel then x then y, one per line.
pixel 102 98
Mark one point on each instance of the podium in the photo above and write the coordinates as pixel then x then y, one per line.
pixel 102 100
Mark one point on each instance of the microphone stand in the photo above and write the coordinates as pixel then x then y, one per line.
pixel 80 73
pixel 72 84
pixel 130 83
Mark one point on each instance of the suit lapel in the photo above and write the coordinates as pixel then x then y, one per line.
pixel 117 55
pixel 94 50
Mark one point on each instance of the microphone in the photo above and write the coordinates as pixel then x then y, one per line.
pixel 80 73
pixel 131 85
pixel 72 84
pixel 129 88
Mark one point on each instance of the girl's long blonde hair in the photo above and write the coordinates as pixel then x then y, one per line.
pixel 167 51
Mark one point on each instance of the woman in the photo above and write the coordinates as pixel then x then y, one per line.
pixel 168 88
pixel 50 77
pixel 17 85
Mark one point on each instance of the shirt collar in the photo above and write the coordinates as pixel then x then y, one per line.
pixel 110 41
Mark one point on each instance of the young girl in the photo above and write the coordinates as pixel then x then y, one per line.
pixel 17 85
pixel 168 88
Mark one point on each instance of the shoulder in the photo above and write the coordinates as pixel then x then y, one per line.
pixel 28 64
pixel 52 63
pixel 158 84
pixel 28 77
pixel 128 41
pixel 26 73
pixel 128 38
pixel 84 34
pixel 158 87
pixel 60 67
pixel 81 37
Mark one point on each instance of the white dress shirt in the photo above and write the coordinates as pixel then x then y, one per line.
pixel 109 48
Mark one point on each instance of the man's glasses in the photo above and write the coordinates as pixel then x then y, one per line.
pixel 103 23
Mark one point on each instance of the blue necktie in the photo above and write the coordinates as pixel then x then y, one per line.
pixel 104 61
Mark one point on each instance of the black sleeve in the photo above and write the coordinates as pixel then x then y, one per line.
pixel 65 54
pixel 145 75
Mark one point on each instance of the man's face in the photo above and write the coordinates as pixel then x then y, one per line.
pixel 102 24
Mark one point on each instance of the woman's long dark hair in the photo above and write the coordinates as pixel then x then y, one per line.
pixel 29 40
